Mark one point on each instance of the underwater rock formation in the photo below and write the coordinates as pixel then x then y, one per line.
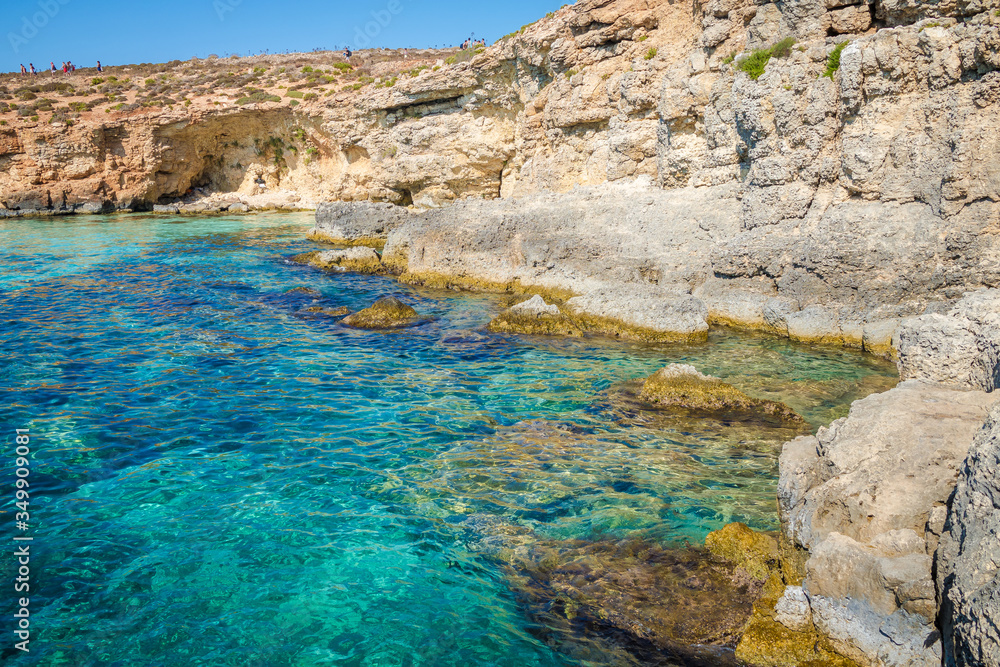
pixel 682 386
pixel 386 313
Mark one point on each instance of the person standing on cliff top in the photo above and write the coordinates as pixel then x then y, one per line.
pixel 33 72
pixel 99 68
pixel 24 72
pixel 53 68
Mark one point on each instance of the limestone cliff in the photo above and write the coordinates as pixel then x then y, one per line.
pixel 903 135
pixel 821 207
pixel 827 170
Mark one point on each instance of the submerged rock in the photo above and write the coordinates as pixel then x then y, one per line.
pixel 682 386
pixel 683 606
pixel 386 313
pixel 534 316
pixel 737 543
pixel 307 291
pixel 358 259
pixel 340 311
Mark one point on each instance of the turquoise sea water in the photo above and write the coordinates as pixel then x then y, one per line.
pixel 221 478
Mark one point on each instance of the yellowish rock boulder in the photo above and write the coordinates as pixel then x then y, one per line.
pixel 386 313
pixel 682 386
pixel 755 552
pixel 536 317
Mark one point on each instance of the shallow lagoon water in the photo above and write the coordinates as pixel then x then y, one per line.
pixel 220 478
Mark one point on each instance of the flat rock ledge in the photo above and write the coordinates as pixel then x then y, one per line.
pixel 641 312
pixel 682 386
pixel 633 312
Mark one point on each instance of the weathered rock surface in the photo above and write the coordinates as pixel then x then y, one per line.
pixel 357 223
pixel 534 316
pixel 961 348
pixel 866 497
pixel 884 467
pixel 386 313
pixel 359 259
pixel 968 572
pixel 682 386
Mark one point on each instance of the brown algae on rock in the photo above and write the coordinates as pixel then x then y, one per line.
pixel 682 386
pixel 319 236
pixel 779 632
pixel 386 313
pixel 656 603
pixel 535 317
pixel 766 642
pixel 755 552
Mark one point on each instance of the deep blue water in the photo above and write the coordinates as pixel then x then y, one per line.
pixel 220 478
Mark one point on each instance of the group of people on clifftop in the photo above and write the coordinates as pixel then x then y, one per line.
pixel 67 68
pixel 472 43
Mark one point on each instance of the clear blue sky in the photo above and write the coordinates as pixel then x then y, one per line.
pixel 117 32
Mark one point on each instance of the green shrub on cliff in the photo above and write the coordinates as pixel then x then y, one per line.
pixel 259 96
pixel 833 60
pixel 783 48
pixel 755 64
pixel 651 53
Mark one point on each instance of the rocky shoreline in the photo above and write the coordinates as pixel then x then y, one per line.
pixel 827 171
pixel 866 500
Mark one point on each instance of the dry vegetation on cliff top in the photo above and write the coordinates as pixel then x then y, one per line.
pixel 274 81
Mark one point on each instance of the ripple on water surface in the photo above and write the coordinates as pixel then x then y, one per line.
pixel 221 477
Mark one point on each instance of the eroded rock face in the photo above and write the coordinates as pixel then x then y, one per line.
pixel 866 497
pixel 968 575
pixel 961 348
